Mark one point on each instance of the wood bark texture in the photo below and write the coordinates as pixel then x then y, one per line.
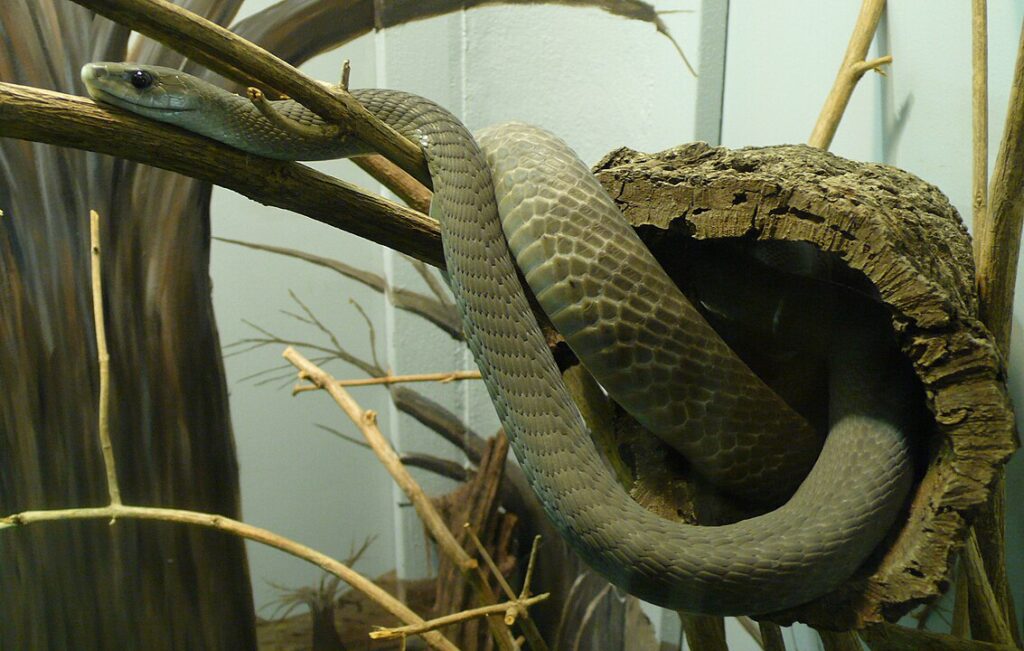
pixel 93 585
pixel 906 238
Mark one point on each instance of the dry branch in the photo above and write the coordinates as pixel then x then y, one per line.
pixel 771 636
pixel 223 51
pixel 408 189
pixel 103 359
pixel 237 528
pixel 997 250
pixel 852 69
pixel 979 112
pixel 436 309
pixel 441 378
pixel 455 618
pixel 987 619
pixel 71 121
pixel 366 421
pixel 890 637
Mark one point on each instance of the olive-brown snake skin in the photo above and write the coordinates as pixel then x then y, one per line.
pixel 640 338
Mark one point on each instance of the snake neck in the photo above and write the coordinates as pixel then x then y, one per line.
pixel 234 120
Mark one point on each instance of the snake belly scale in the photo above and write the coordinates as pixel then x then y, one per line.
pixel 730 426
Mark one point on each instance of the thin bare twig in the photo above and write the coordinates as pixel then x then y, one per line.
pixel 442 378
pixel 455 618
pixel 852 69
pixel 415 195
pixel 751 628
pixel 987 620
pixel 997 241
pixel 103 358
pixel 979 111
pixel 366 421
pixel 771 637
pixel 247 531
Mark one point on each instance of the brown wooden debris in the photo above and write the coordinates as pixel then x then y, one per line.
pixel 476 502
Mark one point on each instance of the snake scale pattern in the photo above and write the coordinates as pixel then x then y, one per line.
pixel 642 340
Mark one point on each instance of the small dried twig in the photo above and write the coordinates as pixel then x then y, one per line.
pixel 288 125
pixel 771 637
pixel 247 531
pixel 751 629
pixel 979 111
pixel 987 621
pixel 416 195
pixel 852 69
pixel 442 378
pixel 103 357
pixel 455 618
pixel 484 554
pixel 346 71
pixel 366 421
pixel 513 609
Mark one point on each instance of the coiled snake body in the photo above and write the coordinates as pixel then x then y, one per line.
pixel 633 330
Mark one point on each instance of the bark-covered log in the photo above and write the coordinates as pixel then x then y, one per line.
pixel 906 238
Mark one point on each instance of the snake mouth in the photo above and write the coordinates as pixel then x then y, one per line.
pixel 109 98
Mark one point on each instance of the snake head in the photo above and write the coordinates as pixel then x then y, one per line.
pixel 155 92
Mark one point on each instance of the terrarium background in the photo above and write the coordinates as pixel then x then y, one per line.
pixel 600 82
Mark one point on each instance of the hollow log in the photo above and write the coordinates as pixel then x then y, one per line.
pixel 910 243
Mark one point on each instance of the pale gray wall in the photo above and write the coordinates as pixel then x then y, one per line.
pixel 600 82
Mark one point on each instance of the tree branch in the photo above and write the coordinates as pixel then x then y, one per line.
pixel 235 527
pixel 852 69
pixel 223 51
pixel 72 121
pixel 103 361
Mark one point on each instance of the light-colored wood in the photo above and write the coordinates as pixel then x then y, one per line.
pixel 103 361
pixel 850 71
pixel 987 620
pixel 440 622
pixel 247 531
pixel 890 637
pixel 997 249
pixel 366 421
pixel 979 111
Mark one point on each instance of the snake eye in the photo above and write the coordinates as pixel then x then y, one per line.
pixel 141 79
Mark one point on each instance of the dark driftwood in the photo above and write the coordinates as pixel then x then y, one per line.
pixel 908 240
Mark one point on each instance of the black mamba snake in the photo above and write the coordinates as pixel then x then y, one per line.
pixel 631 327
